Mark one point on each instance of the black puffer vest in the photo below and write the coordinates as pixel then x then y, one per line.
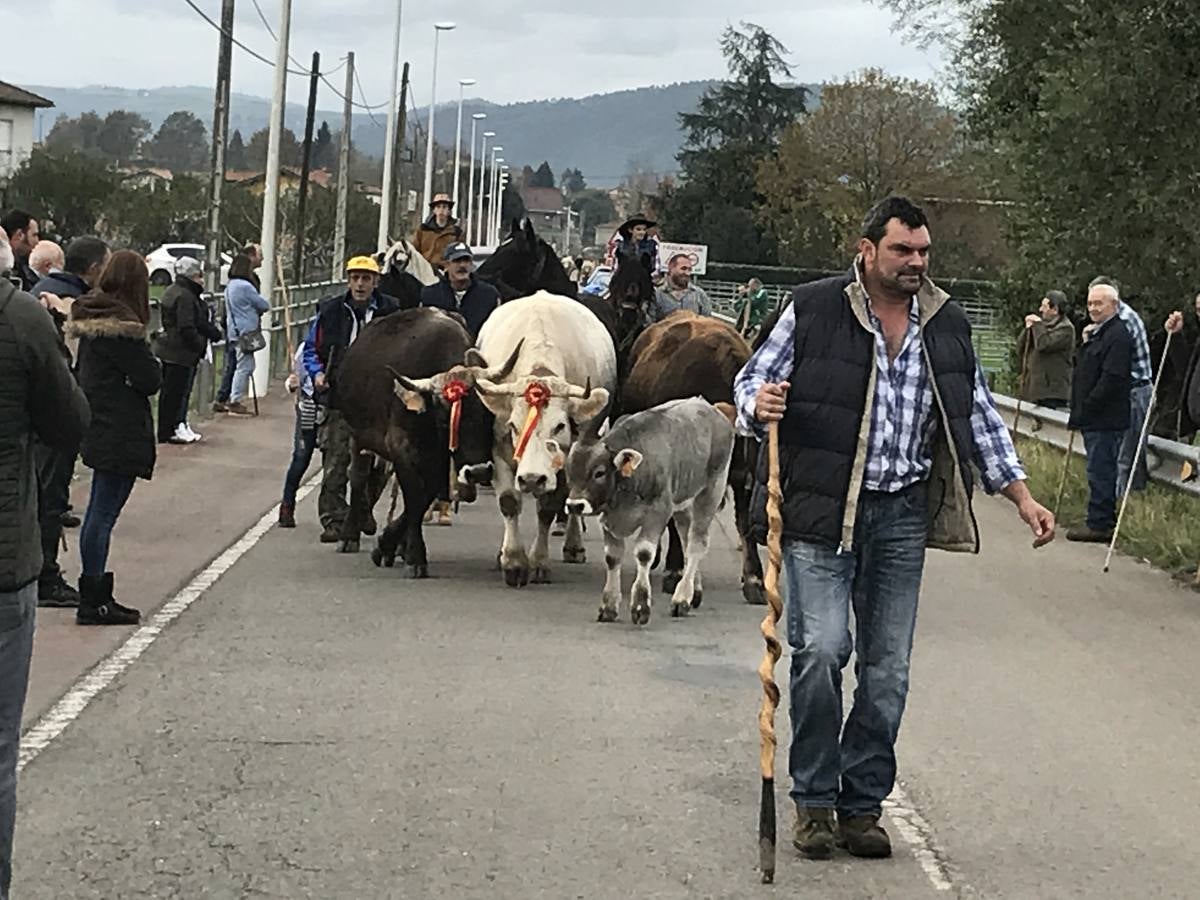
pixel 824 432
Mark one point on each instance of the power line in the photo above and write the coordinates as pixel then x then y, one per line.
pixel 321 75
pixel 238 43
pixel 358 81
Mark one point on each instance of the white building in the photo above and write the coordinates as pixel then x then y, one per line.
pixel 17 107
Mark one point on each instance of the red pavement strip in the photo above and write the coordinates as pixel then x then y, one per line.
pixel 202 497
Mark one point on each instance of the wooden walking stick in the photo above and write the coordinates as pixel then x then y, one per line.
pixel 1137 451
pixel 766 670
pixel 1021 381
pixel 1062 482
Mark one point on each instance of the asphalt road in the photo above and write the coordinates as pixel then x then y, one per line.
pixel 316 727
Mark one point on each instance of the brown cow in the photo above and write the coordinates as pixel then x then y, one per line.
pixel 687 355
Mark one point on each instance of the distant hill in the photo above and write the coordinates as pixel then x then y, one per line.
pixel 602 134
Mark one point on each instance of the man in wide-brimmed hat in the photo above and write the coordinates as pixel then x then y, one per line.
pixel 439 231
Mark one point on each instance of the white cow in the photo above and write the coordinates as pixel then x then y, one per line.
pixel 566 369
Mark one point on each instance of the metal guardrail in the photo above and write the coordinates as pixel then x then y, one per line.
pixel 1164 458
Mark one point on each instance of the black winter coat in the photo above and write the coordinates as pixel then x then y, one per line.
pixel 186 325
pixel 1100 389
pixel 119 374
pixel 479 301
pixel 38 400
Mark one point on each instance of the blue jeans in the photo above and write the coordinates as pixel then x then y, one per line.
pixel 227 373
pixel 1103 455
pixel 881 579
pixel 241 376
pixel 17 610
pixel 1139 408
pixel 109 493
pixel 304 442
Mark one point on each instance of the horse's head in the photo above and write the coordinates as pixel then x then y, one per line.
pixel 523 264
pixel 631 290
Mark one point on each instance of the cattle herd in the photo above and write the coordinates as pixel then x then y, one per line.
pixel 540 407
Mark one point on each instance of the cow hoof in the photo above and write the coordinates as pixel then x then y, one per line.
pixel 607 614
pixel 377 557
pixel 370 527
pixel 517 576
pixel 540 575
pixel 697 597
pixel 575 556
pixel 418 571
pixel 754 592
pixel 348 546
pixel 680 609
pixel 640 615
pixel 671 581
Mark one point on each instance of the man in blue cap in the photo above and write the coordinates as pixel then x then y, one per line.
pixel 461 291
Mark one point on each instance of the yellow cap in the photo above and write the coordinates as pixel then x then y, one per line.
pixel 363 264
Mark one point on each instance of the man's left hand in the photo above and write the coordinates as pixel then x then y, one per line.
pixel 1040 521
pixel 1032 319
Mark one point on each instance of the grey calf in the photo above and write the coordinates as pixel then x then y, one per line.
pixel 670 460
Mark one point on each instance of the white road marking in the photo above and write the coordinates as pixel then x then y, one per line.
pixel 76 700
pixel 918 835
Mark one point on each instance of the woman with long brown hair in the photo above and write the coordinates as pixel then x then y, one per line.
pixel 119 374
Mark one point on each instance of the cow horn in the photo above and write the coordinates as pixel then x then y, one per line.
pixel 488 388
pixel 420 385
pixel 591 432
pixel 511 362
pixel 578 393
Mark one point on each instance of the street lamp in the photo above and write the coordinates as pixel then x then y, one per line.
pixel 389 175
pixel 491 207
pixel 438 28
pixel 483 186
pixel 463 84
pixel 470 223
pixel 498 201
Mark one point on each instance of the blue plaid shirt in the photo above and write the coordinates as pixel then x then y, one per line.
pixel 899 449
pixel 1140 351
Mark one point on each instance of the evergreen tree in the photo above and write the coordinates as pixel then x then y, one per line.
pixel 324 152
pixel 235 153
pixel 181 143
pixel 543 177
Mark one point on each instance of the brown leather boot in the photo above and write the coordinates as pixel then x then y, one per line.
pixel 813 836
pixel 863 836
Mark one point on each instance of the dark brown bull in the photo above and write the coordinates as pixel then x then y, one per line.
pixel 395 386
pixel 687 355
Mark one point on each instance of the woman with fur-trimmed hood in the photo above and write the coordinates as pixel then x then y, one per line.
pixel 119 374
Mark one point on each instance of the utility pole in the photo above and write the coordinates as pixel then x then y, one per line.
pixel 305 166
pixel 399 207
pixel 339 231
pixel 385 210
pixel 220 129
pixel 270 219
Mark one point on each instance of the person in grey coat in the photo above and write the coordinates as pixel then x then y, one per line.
pixel 39 402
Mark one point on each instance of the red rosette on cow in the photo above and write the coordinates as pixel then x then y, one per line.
pixel 537 395
pixel 454 392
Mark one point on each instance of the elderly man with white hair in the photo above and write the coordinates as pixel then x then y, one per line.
pixel 46 257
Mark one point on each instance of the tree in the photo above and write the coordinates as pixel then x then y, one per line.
pixel 1090 108
pixel 872 135
pixel 181 143
pixel 324 151
pixel 74 189
pixel 121 135
pixel 572 181
pixel 594 206
pixel 235 153
pixel 256 150
pixel 71 135
pixel 737 125
pixel 543 177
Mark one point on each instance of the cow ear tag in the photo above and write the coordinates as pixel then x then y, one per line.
pixel 627 461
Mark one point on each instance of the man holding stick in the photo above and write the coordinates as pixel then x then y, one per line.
pixel 882 409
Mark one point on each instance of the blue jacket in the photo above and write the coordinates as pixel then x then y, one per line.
pixel 244 306
pixel 476 305
pixel 337 323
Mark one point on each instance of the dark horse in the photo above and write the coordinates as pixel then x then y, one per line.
pixel 630 296
pixel 524 264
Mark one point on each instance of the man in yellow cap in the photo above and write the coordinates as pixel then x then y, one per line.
pixel 439 231
pixel 338 322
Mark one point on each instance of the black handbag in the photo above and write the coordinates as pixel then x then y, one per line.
pixel 251 341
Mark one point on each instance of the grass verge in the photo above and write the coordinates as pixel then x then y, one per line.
pixel 1160 526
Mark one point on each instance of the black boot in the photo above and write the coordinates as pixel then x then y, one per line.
pixel 287 515
pixel 53 591
pixel 97 606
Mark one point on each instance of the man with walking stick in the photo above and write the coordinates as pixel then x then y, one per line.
pixel 882 410
pixel 1100 409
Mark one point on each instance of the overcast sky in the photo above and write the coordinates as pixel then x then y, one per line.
pixel 517 49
